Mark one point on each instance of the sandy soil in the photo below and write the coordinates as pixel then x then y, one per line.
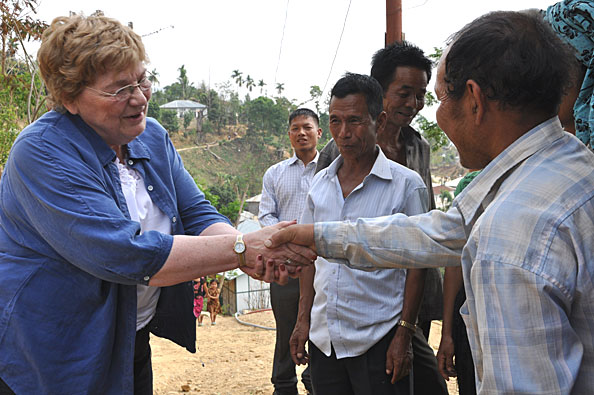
pixel 231 359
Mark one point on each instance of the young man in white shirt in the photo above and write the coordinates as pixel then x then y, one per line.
pixel 284 190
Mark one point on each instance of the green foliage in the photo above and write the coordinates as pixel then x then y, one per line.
pixel 188 117
pixel 432 132
pixel 169 120
pixel 154 110
pixel 224 199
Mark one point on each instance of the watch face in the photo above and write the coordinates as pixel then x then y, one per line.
pixel 239 248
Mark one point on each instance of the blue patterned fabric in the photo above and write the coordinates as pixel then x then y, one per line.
pixel 523 232
pixel 573 21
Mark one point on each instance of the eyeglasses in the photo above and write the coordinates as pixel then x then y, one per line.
pixel 124 93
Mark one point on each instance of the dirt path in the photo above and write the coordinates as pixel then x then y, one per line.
pixel 231 359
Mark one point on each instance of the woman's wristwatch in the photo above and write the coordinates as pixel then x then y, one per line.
pixel 239 249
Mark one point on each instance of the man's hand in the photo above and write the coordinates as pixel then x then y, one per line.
pixel 445 358
pixel 297 235
pixel 399 355
pixel 297 343
pixel 291 256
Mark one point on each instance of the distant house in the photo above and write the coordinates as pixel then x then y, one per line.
pixel 253 204
pixel 183 106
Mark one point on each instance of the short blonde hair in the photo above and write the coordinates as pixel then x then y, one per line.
pixel 76 49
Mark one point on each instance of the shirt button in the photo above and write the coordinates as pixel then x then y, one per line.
pixel 150 188
pixel 146 278
pixel 174 219
pixel 130 162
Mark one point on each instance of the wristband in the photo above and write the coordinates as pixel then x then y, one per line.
pixel 407 325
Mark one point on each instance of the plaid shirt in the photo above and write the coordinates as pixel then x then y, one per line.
pixel 523 232
pixel 284 190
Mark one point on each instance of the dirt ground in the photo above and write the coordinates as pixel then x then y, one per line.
pixel 231 359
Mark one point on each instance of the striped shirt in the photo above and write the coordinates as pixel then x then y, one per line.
pixel 284 189
pixel 523 231
pixel 354 309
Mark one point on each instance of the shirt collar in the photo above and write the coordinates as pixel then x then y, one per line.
pixel 470 200
pixel 380 169
pixel 294 159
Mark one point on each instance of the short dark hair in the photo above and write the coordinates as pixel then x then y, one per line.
pixel 304 112
pixel 514 57
pixel 385 62
pixel 352 83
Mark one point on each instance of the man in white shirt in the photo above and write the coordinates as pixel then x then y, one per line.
pixel 284 190
pixel 351 316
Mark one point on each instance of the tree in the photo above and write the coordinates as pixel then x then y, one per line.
pixel 188 116
pixel 280 87
pixel 237 76
pixel 316 93
pixel 169 120
pixel 432 132
pixel 153 77
pixel 22 98
pixel 184 82
pixel 261 84
pixel 249 83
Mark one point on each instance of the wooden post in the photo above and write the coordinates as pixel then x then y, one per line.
pixel 393 21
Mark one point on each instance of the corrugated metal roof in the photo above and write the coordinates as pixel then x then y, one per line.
pixel 183 104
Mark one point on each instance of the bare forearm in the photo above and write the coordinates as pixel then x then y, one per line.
pixel 306 292
pixel 413 294
pixel 451 286
pixel 196 256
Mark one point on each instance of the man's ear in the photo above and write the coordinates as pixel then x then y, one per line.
pixel 476 101
pixel 381 121
pixel 319 132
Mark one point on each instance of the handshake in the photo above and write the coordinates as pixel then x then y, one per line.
pixel 277 252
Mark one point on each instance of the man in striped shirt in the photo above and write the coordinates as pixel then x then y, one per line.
pixel 522 230
pixel 284 189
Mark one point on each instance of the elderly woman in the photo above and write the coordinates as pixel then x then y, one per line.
pixel 98 222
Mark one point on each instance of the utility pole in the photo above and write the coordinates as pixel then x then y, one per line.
pixel 393 21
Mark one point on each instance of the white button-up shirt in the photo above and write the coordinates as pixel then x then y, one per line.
pixel 354 309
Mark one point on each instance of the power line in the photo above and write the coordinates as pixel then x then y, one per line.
pixel 280 50
pixel 337 47
pixel 418 5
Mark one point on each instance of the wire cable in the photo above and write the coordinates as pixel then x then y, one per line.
pixel 280 50
pixel 337 47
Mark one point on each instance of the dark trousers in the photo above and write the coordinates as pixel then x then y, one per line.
pixel 285 305
pixel 5 389
pixel 426 378
pixel 143 369
pixel 362 375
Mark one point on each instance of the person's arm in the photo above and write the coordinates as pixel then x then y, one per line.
pixel 300 333
pixel 399 355
pixel 445 356
pixel 268 213
pixel 192 256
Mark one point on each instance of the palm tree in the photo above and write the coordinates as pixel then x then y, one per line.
pixel 280 87
pixel 237 75
pixel 153 77
pixel 249 83
pixel 261 84
pixel 183 81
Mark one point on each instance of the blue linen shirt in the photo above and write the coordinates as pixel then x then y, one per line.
pixel 70 257
pixel 284 189
pixel 353 309
pixel 523 231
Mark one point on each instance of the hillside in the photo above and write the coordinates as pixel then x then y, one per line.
pixel 222 160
